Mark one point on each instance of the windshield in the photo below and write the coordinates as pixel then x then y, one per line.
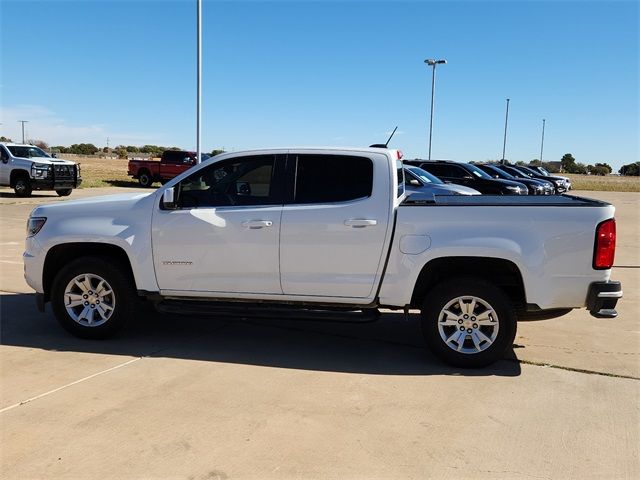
pixel 477 172
pixel 27 152
pixel 426 177
pixel 499 171
pixel 544 171
pixel 528 171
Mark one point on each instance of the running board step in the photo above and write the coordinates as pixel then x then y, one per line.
pixel 251 310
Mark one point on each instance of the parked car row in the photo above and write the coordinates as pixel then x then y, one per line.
pixel 488 179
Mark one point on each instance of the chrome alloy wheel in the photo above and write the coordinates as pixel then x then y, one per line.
pixel 89 300
pixel 468 324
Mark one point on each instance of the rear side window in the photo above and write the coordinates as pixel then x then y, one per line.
pixel 331 178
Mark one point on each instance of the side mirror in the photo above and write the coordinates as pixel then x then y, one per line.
pixel 54 155
pixel 168 199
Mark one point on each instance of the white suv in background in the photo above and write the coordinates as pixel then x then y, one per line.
pixel 26 168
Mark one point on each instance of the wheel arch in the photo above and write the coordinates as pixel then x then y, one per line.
pixel 59 255
pixel 502 273
pixel 15 174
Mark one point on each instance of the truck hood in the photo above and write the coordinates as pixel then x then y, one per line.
pixel 47 161
pixel 93 206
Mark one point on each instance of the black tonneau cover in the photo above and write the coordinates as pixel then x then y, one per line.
pixel 422 199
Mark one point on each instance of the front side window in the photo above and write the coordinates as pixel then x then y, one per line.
pixel 241 181
pixel 331 178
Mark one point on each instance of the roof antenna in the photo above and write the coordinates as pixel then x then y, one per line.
pixel 384 145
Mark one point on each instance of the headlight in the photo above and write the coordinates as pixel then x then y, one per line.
pixel 34 225
pixel 559 182
pixel 40 170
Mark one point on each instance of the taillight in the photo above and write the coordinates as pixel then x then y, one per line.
pixel 605 247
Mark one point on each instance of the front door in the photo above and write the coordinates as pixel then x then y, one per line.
pixel 224 236
pixel 5 166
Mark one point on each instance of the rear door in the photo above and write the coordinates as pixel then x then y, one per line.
pixel 334 224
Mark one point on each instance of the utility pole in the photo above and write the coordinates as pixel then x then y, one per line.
pixel 199 79
pixel 107 143
pixel 504 144
pixel 23 122
pixel 542 142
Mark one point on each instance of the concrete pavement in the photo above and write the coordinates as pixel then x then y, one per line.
pixel 194 398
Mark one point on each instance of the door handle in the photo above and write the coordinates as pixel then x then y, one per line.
pixel 255 224
pixel 360 222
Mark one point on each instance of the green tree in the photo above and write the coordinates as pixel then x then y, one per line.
pixel 605 166
pixel 5 139
pixel 132 149
pixel 83 148
pixel 568 163
pixel 121 152
pixel 215 152
pixel 579 168
pixel 631 169
pixel 535 162
pixel 60 149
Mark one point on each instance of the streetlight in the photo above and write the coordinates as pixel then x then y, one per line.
pixel 506 120
pixel 542 142
pixel 23 122
pixel 199 77
pixel 432 63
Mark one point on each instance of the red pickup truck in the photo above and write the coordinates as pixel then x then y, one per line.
pixel 171 164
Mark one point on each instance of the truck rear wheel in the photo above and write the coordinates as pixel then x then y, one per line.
pixel 93 297
pixel 145 180
pixel 64 192
pixel 22 187
pixel 468 322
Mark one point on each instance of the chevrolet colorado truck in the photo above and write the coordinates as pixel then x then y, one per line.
pixel 171 164
pixel 26 168
pixel 326 234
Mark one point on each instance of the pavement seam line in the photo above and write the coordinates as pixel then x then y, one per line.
pixel 23 402
pixel 572 369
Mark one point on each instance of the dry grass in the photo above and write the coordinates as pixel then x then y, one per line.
pixel 608 183
pixel 102 172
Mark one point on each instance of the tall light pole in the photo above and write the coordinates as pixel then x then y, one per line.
pixel 542 141
pixel 504 144
pixel 23 122
pixel 432 63
pixel 199 80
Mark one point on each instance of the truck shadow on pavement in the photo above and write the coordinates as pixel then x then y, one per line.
pixel 390 346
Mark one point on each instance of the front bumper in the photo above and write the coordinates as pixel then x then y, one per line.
pixel 602 299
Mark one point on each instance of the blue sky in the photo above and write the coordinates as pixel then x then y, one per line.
pixel 327 73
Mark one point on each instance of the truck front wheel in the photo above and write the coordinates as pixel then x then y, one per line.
pixel 64 192
pixel 145 180
pixel 22 187
pixel 92 297
pixel 468 322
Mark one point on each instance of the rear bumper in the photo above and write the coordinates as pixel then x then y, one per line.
pixel 602 299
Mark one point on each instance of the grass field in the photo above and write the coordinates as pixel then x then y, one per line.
pixel 609 183
pixel 102 172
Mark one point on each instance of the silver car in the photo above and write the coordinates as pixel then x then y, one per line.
pixel 417 180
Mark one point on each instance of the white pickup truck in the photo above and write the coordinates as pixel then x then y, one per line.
pixel 324 233
pixel 26 168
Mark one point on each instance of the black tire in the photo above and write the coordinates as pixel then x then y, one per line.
pixel 123 297
pixel 145 179
pixel 22 187
pixel 65 192
pixel 484 352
